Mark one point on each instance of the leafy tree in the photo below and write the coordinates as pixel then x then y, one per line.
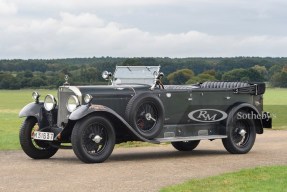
pixel 243 75
pixel 28 74
pixel 284 68
pixel 14 84
pixel 65 71
pixel 8 81
pixel 279 79
pixel 274 69
pixel 261 70
pixel 132 62
pixel 38 82
pixel 92 75
pixel 180 76
pixel 201 78
pixel 146 61
pixel 234 75
pixel 52 71
pixel 210 72
pixel 208 75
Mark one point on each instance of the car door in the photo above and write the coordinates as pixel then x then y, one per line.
pixel 177 105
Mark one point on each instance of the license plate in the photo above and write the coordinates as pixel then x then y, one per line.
pixel 48 136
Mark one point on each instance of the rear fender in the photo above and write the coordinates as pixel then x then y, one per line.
pixel 249 109
pixel 86 110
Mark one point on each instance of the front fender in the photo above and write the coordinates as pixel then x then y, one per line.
pixel 32 109
pixel 85 110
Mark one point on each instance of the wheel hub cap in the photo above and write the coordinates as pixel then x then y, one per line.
pixel 149 117
pixel 242 132
pixel 97 139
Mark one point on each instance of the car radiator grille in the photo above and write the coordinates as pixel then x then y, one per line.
pixel 63 113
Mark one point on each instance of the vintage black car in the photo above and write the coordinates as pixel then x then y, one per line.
pixel 136 106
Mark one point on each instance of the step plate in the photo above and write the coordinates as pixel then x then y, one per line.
pixel 193 138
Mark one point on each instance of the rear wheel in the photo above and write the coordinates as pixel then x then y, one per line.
pixel 93 139
pixel 185 145
pixel 241 134
pixel 35 149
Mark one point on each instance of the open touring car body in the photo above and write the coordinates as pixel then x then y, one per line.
pixel 136 106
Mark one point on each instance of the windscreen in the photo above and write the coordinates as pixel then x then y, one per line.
pixel 135 74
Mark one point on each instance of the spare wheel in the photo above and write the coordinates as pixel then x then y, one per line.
pixel 145 113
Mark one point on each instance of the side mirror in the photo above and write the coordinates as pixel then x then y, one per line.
pixel 106 75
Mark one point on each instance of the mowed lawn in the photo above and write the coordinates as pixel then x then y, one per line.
pixel 11 103
pixel 263 179
pixel 275 101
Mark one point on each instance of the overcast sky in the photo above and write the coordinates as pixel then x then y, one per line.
pixel 142 28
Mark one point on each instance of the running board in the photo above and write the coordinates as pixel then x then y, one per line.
pixel 193 138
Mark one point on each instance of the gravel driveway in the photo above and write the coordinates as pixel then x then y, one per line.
pixel 135 169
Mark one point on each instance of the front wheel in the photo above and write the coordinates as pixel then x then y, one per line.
pixel 93 139
pixel 185 145
pixel 241 134
pixel 35 149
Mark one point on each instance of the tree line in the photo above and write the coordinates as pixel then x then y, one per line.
pixel 49 73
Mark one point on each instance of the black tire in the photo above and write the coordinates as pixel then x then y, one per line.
pixel 35 149
pixel 145 113
pixel 185 145
pixel 235 142
pixel 87 149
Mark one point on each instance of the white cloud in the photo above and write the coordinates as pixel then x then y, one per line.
pixel 7 8
pixel 70 28
pixel 82 20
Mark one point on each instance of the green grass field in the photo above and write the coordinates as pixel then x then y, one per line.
pixel 263 179
pixel 275 101
pixel 10 105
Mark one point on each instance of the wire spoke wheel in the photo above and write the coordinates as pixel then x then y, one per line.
pixel 93 139
pixel 36 149
pixel 241 134
pixel 146 117
pixel 145 113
